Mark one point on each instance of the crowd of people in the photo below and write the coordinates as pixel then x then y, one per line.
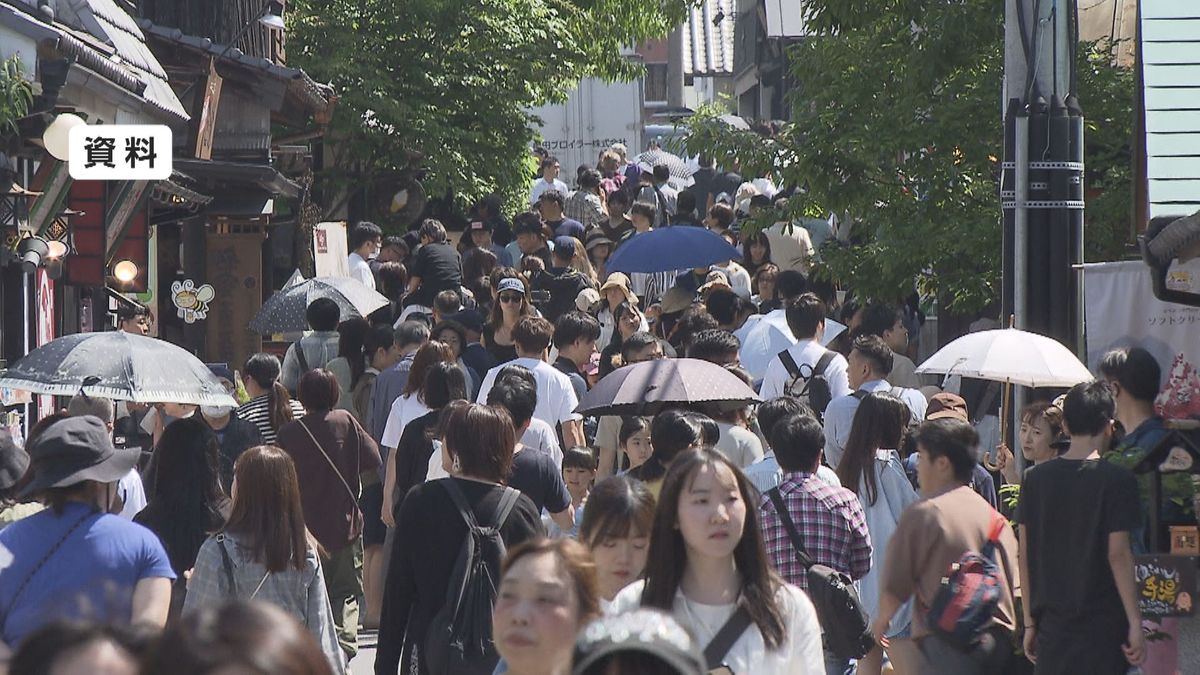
pixel 424 472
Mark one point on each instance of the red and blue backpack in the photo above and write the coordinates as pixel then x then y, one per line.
pixel 969 593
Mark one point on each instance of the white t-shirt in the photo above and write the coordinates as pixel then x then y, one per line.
pixel 361 270
pixel 540 185
pixel 799 653
pixel 133 492
pixel 541 437
pixel 556 398
pixel 806 352
pixel 405 409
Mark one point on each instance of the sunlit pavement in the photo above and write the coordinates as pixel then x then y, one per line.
pixel 364 662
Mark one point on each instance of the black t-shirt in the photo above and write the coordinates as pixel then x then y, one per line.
pixel 728 182
pixel 1067 510
pixel 535 475
pixel 429 535
pixel 440 269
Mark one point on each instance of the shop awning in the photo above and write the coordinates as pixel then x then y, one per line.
pixel 262 176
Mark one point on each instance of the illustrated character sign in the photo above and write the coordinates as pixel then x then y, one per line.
pixel 191 301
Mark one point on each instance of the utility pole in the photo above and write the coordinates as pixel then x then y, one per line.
pixel 1042 184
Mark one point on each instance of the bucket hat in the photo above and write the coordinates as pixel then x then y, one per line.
pixel 75 450
pixel 13 462
pixel 619 280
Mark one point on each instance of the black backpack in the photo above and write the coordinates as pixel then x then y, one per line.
pixel 815 392
pixel 846 624
pixel 460 634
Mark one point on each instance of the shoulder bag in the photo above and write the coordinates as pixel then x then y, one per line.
pixel 356 524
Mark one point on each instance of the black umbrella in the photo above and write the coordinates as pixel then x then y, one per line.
pixel 284 311
pixel 117 365
pixel 648 387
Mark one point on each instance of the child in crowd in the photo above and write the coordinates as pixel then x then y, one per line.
pixel 579 473
pixel 634 439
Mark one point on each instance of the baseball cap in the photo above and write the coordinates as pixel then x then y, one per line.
pixel 480 226
pixel 564 247
pixel 587 299
pixel 645 631
pixel 945 405
pixel 510 284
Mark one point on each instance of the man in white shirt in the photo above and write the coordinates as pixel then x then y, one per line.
pixel 548 181
pixel 556 399
pixel 364 241
pixel 870 362
pixel 806 319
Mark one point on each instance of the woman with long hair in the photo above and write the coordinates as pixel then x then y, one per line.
pixel 582 263
pixel 409 405
pixel 616 527
pixel 408 465
pixel 333 454
pixel 672 432
pixel 187 502
pixel 265 553
pixel 599 248
pixel 707 562
pixel 270 405
pixel 547 593
pixel 477 450
pixel 510 304
pixel 351 361
pixel 756 252
pixel 872 468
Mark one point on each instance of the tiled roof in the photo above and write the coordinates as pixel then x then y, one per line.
pixel 1170 50
pixel 130 45
pixel 317 90
pixel 708 38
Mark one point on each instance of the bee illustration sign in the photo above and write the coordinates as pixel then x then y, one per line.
pixel 1166 584
pixel 190 300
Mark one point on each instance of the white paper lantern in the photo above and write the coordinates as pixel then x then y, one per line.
pixel 57 135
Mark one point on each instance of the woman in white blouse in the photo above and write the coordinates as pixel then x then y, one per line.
pixel 707 560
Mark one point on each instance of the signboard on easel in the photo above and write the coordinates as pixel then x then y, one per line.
pixel 329 250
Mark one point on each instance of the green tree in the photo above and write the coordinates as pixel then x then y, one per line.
pixel 896 124
pixel 446 85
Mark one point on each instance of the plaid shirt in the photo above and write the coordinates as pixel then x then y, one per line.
pixel 830 521
pixel 586 208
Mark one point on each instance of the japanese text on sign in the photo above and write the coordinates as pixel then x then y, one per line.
pixel 1165 584
pixel 120 152
pixel 595 143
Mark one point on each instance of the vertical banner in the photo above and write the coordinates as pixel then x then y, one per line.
pixel 234 269
pixel 45 329
pixel 329 250
pixel 1121 311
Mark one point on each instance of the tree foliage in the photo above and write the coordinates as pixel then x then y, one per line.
pixel 446 85
pixel 16 96
pixel 896 125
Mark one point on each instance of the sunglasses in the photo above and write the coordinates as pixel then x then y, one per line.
pixel 511 298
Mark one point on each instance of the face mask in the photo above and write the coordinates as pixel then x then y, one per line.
pixel 214 412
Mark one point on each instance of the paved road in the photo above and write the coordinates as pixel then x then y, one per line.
pixel 364 663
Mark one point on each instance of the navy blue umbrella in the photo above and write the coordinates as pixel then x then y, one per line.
pixel 671 248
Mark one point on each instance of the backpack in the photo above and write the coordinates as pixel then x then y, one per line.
pixel 839 609
pixel 460 634
pixel 969 593
pixel 815 392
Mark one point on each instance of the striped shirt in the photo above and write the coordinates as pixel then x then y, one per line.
pixel 257 411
